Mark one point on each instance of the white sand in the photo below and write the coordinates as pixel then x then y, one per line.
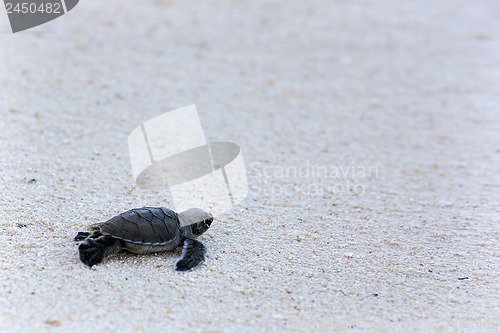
pixel 411 89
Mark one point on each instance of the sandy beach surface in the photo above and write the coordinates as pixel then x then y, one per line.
pixel 371 138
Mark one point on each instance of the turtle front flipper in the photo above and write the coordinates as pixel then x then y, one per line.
pixel 193 255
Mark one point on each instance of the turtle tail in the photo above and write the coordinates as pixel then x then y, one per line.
pixel 93 251
pixel 193 255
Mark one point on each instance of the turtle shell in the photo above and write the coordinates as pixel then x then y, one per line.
pixel 144 226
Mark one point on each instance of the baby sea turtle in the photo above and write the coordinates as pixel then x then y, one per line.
pixel 148 230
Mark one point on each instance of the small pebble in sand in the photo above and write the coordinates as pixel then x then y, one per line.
pixel 53 322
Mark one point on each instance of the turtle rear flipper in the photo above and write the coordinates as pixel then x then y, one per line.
pixel 83 235
pixel 93 251
pixel 193 255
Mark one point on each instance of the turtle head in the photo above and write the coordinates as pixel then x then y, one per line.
pixel 194 222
